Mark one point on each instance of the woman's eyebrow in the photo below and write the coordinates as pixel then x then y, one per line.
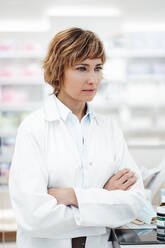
pixel 88 64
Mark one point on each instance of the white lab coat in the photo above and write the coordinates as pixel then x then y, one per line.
pixel 45 156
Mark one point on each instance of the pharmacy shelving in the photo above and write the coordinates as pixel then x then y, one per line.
pixel 19 81
pixel 136 53
pixel 21 91
pixel 8 245
pixel 19 108
pixel 8 132
pixel 134 85
pixel 6 157
pixel 21 55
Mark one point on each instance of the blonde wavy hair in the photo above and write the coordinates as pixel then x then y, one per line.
pixel 67 48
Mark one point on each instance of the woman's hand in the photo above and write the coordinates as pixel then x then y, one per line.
pixel 122 180
pixel 64 196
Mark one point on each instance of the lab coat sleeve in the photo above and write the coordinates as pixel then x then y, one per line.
pixel 37 213
pixel 100 207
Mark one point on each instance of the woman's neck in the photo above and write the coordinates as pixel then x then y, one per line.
pixel 78 108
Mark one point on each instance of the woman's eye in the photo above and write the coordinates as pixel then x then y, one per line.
pixel 81 68
pixel 98 68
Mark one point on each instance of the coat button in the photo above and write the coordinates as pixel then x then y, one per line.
pixel 90 163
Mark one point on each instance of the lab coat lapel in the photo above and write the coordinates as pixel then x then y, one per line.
pixel 91 136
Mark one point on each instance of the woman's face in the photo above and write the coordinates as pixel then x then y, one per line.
pixel 82 80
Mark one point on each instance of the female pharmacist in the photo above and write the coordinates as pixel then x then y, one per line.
pixel 72 177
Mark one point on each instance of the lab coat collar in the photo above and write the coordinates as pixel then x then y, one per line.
pixel 63 110
pixel 50 109
pixel 52 113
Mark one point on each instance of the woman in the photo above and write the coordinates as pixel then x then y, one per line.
pixel 72 178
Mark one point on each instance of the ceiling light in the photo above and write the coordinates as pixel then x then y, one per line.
pixel 83 11
pixel 40 25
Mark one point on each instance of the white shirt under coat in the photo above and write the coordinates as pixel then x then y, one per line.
pixel 46 156
pixel 79 132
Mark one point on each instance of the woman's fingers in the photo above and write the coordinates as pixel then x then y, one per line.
pixel 120 174
pixel 126 176
pixel 130 182
pixel 122 180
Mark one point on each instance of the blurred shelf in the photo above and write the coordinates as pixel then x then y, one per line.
pixel 19 108
pixel 145 130
pixel 8 227
pixel 145 106
pixel 8 245
pixel 146 142
pixel 7 220
pixel 112 80
pixel 141 145
pixel 147 78
pixel 21 55
pixel 21 82
pixel 6 158
pixel 4 189
pixel 132 53
pixel 150 77
pixel 108 105
pixel 150 141
pixel 8 133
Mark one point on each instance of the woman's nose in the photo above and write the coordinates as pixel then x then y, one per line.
pixel 92 78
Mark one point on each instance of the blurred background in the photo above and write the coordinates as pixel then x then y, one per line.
pixel 133 89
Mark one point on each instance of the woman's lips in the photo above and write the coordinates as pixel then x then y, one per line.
pixel 90 90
